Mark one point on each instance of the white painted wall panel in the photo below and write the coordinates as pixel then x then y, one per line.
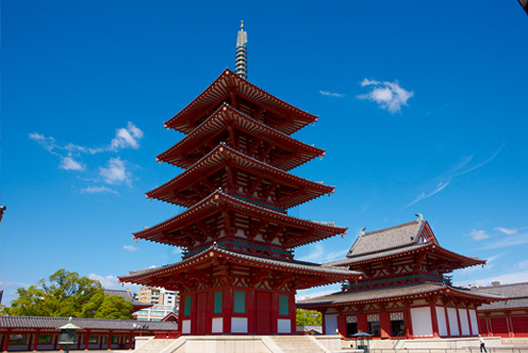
pixel 239 325
pixel 453 322
pixel 331 324
pixel 464 323
pixel 284 326
pixel 474 322
pixel 421 322
pixel 218 325
pixel 186 326
pixel 442 324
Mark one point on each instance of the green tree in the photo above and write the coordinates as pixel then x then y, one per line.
pixel 66 294
pixel 308 317
pixel 114 307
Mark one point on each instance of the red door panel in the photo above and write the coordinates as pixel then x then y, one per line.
pixel 201 306
pixel 263 319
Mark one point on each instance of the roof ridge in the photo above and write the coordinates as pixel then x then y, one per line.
pixel 392 227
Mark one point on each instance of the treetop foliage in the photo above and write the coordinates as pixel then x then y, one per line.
pixel 66 294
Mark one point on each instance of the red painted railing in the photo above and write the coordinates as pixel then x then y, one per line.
pixel 165 335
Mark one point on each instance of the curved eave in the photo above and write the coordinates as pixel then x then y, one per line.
pixel 205 257
pixel 225 84
pixel 435 250
pixel 220 120
pixel 221 156
pixel 217 200
pixel 441 290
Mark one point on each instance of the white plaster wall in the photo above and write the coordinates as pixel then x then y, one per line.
pixel 453 322
pixel 421 322
pixel 218 325
pixel 464 321
pixel 442 324
pixel 186 326
pixel 474 322
pixel 284 326
pixel 239 325
pixel 331 324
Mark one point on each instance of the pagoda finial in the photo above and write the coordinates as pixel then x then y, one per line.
pixel 241 53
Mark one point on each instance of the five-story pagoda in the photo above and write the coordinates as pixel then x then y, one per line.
pixel 238 275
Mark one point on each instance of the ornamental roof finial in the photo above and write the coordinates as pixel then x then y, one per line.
pixel 241 53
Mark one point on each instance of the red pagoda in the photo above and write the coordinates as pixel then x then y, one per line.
pixel 405 290
pixel 237 274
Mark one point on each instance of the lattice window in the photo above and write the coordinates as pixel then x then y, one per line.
pixel 372 317
pixel 351 319
pixel 396 316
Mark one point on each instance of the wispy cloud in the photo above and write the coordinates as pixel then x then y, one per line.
pixel 318 253
pixel 130 248
pixel 332 94
pixel 463 167
pixel 68 163
pixel 506 230
pixel 115 172
pixel 388 95
pixel 97 189
pixel 479 235
pixel 501 242
pixel 109 281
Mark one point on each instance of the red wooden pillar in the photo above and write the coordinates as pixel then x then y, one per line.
pixel 407 320
pixel 109 346
pixel 274 312
pixel 100 338
pixel 323 311
pixel 250 311
pixel 362 322
pixel 385 324
pixel 35 344
pixel 86 340
pixel 434 318
pixel 447 321
pixel 293 316
pixel 341 323
pixel 55 340
pixel 509 323
pixel 130 340
pixel 227 309
pixel 469 321
pixel 7 337
pixel 30 336
pixel 458 319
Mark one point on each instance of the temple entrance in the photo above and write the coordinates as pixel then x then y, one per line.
pixel 201 306
pixel 263 317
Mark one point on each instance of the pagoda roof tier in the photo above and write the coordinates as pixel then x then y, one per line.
pixel 405 292
pixel 445 260
pixel 296 231
pixel 228 86
pixel 305 274
pixel 290 153
pixel 190 186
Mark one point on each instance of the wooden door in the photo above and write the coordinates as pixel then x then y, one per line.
pixel 263 313
pixel 201 319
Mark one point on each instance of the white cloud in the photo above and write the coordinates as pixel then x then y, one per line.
pixel 388 95
pixel 506 230
pixel 130 248
pixel 318 253
pixel 47 142
pixel 479 235
pixel 506 242
pixel 331 94
pixel 127 137
pixel 68 163
pixel 177 250
pixel 512 277
pixel 97 189
pixel 109 281
pixel 115 172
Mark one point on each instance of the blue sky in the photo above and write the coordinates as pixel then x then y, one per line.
pixel 422 108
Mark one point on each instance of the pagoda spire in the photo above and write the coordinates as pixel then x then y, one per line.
pixel 241 53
